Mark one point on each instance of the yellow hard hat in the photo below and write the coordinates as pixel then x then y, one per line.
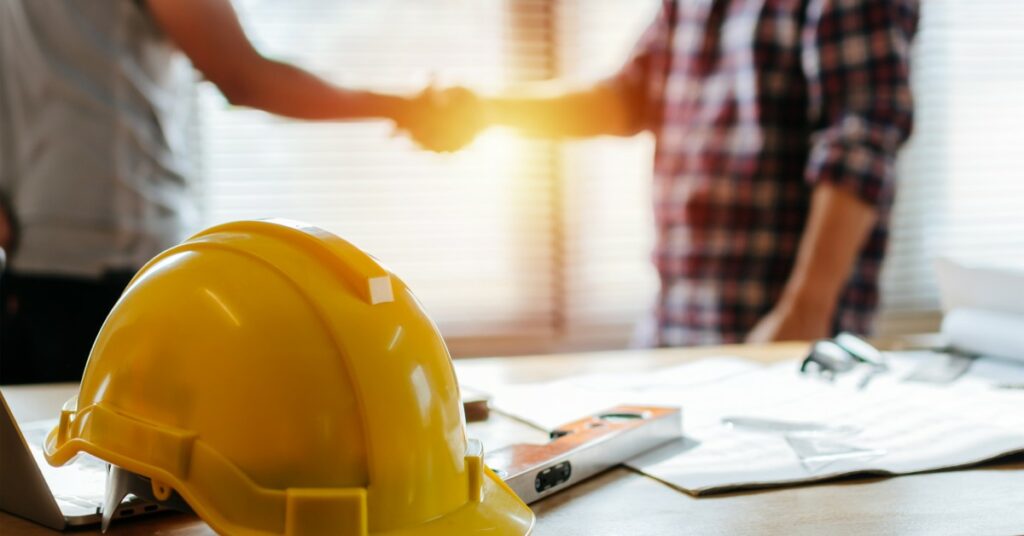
pixel 282 382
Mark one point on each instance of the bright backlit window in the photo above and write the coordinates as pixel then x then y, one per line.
pixel 491 239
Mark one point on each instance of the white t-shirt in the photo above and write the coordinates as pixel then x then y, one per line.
pixel 94 107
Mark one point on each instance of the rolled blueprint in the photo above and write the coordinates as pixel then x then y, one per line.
pixel 986 333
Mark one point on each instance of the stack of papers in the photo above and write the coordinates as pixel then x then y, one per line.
pixel 747 425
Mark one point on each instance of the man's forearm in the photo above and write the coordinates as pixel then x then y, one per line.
pixel 551 113
pixel 283 89
pixel 209 33
pixel 837 227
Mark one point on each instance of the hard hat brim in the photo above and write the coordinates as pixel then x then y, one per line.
pixel 499 512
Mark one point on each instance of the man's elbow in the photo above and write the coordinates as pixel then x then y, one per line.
pixel 630 117
pixel 631 126
pixel 237 90
pixel 238 81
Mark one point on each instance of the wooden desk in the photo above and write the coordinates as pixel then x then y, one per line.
pixel 982 500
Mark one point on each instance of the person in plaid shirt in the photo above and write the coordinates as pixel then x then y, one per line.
pixel 777 123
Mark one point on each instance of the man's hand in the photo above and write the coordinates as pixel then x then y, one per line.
pixel 789 321
pixel 443 120
pixel 446 120
pixel 837 227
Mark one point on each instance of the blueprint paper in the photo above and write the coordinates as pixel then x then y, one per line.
pixel 988 333
pixel 901 427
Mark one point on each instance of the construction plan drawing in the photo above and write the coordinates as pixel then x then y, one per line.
pixel 746 425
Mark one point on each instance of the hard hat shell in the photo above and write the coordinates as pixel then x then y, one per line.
pixel 283 382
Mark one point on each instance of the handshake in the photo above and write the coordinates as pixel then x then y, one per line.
pixel 442 120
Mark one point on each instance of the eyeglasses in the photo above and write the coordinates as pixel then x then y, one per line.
pixel 830 357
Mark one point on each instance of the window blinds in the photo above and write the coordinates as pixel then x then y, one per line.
pixel 961 175
pixel 469 232
pixel 610 280
pixel 513 246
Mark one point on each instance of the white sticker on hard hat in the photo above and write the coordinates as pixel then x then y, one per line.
pixel 380 290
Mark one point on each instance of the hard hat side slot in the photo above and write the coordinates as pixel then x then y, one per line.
pixel 319 511
pixel 475 469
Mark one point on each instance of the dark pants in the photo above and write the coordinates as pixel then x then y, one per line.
pixel 48 324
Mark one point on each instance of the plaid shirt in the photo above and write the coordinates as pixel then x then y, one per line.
pixel 753 102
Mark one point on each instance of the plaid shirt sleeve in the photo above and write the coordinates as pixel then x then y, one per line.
pixel 642 78
pixel 855 57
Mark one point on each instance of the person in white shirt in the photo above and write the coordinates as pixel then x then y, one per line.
pixel 94 99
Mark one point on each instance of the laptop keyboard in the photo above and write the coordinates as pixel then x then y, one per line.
pixel 86 505
pixel 77 486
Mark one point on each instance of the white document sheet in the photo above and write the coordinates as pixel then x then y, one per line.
pixel 889 427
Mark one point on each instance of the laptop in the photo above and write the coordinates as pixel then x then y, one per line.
pixel 55 497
